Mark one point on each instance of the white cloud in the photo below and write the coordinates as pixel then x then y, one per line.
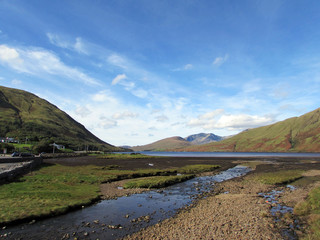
pixel 140 93
pixel 59 41
pixel 242 121
pixel 83 111
pixel 117 60
pixel 11 57
pixel 80 47
pixel 218 119
pixel 188 67
pixel 118 78
pixel 129 86
pixel 184 68
pixel 220 60
pixel 16 82
pixel 162 118
pixel 212 114
pixel 40 62
pixel 108 123
pixel 104 96
pixel 124 115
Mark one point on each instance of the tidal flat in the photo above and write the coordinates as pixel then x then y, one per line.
pixel 92 171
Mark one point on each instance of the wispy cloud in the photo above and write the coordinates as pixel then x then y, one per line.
pixel 124 115
pixel 108 123
pixel 184 68
pixel 104 96
pixel 16 82
pixel 220 60
pixel 38 61
pixel 83 111
pixel 188 67
pixel 140 93
pixel 118 78
pixel 162 118
pixel 117 60
pixel 77 45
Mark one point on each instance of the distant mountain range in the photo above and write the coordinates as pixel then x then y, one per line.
pixel 179 142
pixel 26 116
pixel 203 138
pixel 297 134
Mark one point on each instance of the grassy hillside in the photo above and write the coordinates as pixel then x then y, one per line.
pixel 24 115
pixel 164 144
pixel 298 134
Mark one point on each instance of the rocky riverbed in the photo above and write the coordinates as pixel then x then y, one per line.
pixel 236 210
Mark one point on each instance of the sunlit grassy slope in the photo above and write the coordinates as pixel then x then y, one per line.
pixel 25 115
pixel 298 134
pixel 164 144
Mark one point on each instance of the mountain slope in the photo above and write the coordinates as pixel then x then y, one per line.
pixel 164 144
pixel 24 115
pixel 298 134
pixel 203 138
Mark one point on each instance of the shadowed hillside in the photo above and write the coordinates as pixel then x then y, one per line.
pixel 298 134
pixel 24 115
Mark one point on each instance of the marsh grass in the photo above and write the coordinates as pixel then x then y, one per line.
pixel 198 168
pixel 279 177
pixel 163 181
pixel 54 189
pixel 157 182
pixel 310 208
pixel 251 164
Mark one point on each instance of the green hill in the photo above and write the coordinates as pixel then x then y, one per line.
pixel 24 115
pixel 298 134
pixel 164 144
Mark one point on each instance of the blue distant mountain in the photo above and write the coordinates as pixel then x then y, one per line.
pixel 203 138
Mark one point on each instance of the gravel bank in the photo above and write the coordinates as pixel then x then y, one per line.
pixel 236 213
pixel 115 189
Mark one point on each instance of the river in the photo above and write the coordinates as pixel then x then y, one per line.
pixel 113 219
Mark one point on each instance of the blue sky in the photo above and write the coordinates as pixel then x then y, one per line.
pixel 136 71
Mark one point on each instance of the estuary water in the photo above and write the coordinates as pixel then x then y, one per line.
pixel 234 154
pixel 113 219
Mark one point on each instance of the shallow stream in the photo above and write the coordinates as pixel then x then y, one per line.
pixel 278 211
pixel 113 219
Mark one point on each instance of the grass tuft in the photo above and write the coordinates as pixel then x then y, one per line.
pixel 310 209
pixel 198 168
pixel 157 182
pixel 278 178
